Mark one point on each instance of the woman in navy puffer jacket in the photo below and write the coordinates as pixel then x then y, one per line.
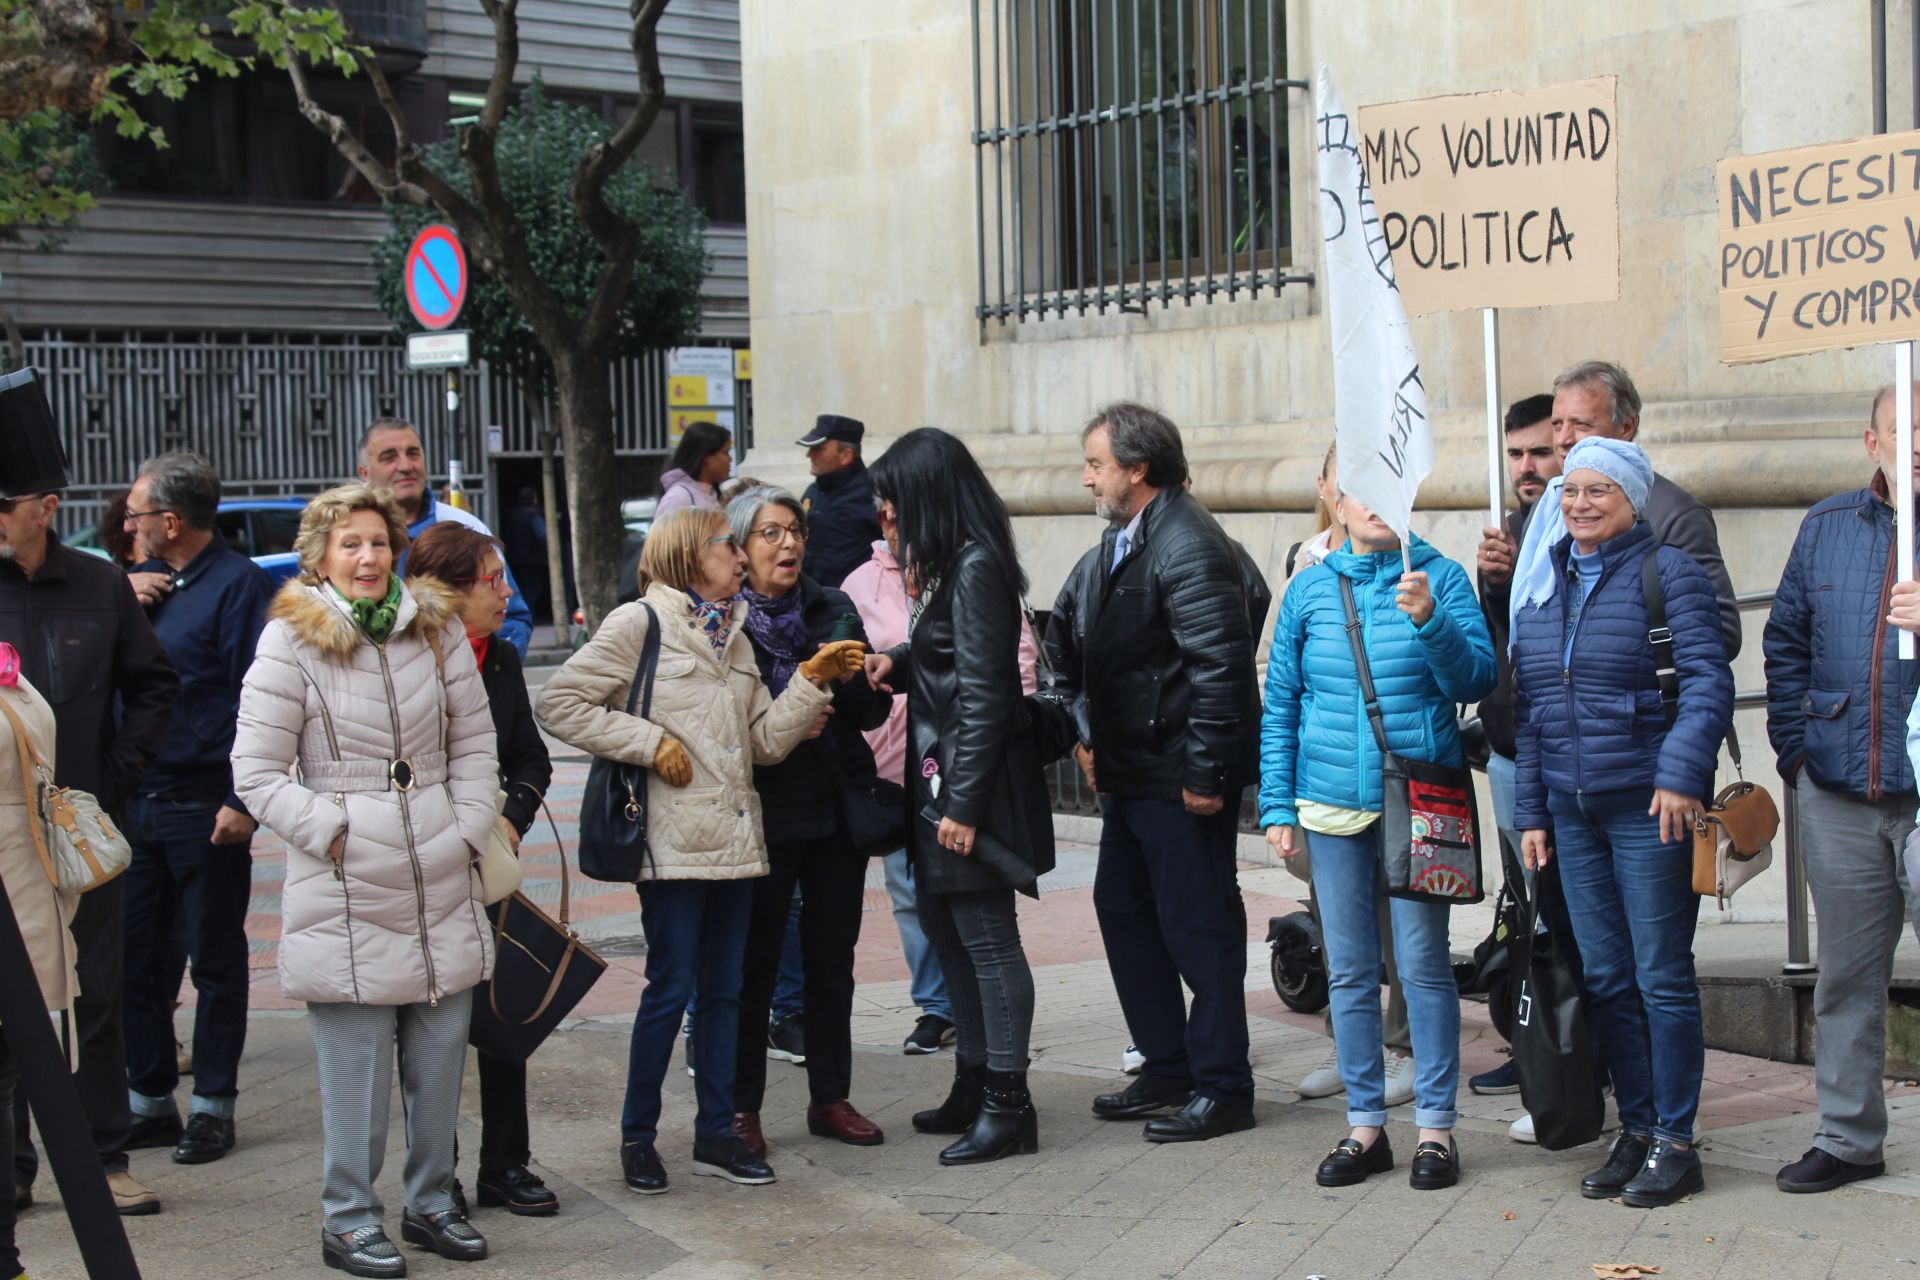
pixel 1428 648
pixel 1600 764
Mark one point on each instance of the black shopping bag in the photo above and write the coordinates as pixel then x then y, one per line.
pixel 1550 1050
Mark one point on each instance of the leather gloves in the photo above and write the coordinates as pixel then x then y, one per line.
pixel 840 658
pixel 671 762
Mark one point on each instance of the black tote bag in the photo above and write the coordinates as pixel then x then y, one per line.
pixel 1551 1052
pixel 613 805
pixel 541 970
pixel 1429 815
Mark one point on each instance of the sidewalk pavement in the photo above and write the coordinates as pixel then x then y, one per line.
pixel 1097 1201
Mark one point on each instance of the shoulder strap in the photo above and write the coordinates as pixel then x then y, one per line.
pixel 1361 667
pixel 446 706
pixel 641 691
pixel 29 761
pixel 1293 556
pixel 1660 636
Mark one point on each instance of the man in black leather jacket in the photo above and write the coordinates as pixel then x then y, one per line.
pixel 1165 668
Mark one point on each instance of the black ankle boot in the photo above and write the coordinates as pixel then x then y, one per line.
pixel 1007 1124
pixel 956 1114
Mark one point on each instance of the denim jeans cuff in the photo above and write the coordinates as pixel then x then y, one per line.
pixel 1668 1135
pixel 1367 1119
pixel 221 1107
pixel 142 1105
pixel 1426 1118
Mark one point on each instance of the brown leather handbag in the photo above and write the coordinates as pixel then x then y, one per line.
pixel 1733 839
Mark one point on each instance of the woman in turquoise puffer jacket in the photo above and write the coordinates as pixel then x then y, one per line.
pixel 1428 648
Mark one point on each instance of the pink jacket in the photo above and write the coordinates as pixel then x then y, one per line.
pixel 678 489
pixel 879 591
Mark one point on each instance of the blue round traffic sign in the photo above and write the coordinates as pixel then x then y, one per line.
pixel 435 276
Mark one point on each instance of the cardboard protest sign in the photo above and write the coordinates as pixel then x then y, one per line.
pixel 1819 247
pixel 1508 199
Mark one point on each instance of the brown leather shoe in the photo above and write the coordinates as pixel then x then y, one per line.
pixel 840 1120
pixel 746 1127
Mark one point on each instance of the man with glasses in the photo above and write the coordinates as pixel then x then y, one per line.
pixel 839 502
pixel 85 644
pixel 191 835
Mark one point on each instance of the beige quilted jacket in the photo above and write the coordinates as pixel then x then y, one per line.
pixel 398 921
pixel 714 704
pixel 45 917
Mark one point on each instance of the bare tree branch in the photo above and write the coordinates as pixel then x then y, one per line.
pixel 506 61
pixel 617 236
pixel 384 180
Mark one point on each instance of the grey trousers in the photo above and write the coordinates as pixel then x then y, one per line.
pixel 1854 851
pixel 354 1044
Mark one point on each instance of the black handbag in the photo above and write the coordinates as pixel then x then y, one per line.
pixel 613 806
pixel 1050 720
pixel 873 812
pixel 1551 1053
pixel 1429 816
pixel 541 970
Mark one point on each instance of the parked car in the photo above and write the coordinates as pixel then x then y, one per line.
pixel 263 528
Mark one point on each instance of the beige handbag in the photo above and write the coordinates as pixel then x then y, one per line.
pixel 80 848
pixel 499 865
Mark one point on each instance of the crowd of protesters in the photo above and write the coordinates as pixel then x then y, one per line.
pixel 820 658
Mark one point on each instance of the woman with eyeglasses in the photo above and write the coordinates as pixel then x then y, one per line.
pixel 711 720
pixel 1612 774
pixel 789 617
pixel 470 565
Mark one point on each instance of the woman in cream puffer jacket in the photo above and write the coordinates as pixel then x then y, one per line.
pixel 365 743
pixel 710 722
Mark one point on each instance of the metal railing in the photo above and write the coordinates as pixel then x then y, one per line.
pixel 1130 157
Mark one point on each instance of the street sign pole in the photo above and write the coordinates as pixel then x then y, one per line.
pixel 1496 479
pixel 1903 474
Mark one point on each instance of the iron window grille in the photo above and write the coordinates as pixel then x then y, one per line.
pixel 1137 152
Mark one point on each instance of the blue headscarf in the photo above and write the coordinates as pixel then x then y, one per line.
pixel 1621 461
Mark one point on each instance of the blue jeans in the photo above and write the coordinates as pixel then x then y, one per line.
pixel 696 931
pixel 1346 881
pixel 1634 910
pixel 929 987
pixel 178 877
pixel 789 988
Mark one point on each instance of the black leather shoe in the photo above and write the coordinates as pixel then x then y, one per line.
pixel 640 1163
pixel 729 1158
pixel 1668 1174
pixel 1629 1153
pixel 208 1137
pixel 1823 1171
pixel 519 1190
pixel 1143 1095
pixel 1435 1165
pixel 1006 1125
pixel 956 1114
pixel 153 1131
pixel 366 1252
pixel 1200 1119
pixel 448 1234
pixel 1350 1164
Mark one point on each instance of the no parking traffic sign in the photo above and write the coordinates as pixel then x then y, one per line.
pixel 435 276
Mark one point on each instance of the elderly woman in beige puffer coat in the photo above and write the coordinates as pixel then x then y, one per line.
pixel 710 722
pixel 366 690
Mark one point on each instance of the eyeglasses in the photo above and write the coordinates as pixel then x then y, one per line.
pixel 1592 492
pixel 493 580
pixel 8 504
pixel 774 534
pixel 725 539
pixel 131 516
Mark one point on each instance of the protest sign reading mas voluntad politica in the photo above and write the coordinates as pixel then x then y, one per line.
pixel 1508 199
pixel 1819 247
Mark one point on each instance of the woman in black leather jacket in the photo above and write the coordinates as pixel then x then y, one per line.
pixel 978 823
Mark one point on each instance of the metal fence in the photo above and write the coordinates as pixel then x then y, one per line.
pixel 281 413
pixel 1130 151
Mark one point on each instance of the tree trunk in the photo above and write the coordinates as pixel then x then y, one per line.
pixel 593 480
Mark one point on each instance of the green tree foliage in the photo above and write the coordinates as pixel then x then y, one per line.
pixel 541 142
pixel 47 177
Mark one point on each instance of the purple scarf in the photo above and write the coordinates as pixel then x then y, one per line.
pixel 776 625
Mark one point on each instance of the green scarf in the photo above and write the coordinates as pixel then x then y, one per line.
pixel 375 617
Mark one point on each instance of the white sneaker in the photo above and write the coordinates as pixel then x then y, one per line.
pixel 1399 1077
pixel 1131 1060
pixel 1521 1130
pixel 1324 1080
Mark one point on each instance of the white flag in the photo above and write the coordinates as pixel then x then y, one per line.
pixel 1379 403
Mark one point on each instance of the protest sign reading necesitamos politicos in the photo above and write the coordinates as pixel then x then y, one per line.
pixel 1507 199
pixel 1819 247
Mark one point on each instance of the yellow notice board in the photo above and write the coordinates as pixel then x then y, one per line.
pixel 1819 247
pixel 1507 199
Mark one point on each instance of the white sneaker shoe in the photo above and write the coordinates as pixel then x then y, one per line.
pixel 1324 1080
pixel 1399 1077
pixel 1521 1130
pixel 1131 1060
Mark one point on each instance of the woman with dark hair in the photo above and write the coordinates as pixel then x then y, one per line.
pixel 978 822
pixel 789 617
pixel 701 461
pixel 468 565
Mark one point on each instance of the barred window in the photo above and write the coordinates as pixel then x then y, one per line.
pixel 1130 151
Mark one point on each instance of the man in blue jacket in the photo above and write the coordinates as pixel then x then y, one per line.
pixel 1838 697
pixel 392 458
